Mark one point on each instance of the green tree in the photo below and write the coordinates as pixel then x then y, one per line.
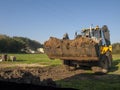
pixel 116 48
pixel 17 44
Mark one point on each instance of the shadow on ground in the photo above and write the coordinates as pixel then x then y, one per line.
pixel 114 65
pixel 5 85
pixel 92 81
pixel 28 82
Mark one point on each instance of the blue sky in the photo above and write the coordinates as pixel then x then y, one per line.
pixel 40 19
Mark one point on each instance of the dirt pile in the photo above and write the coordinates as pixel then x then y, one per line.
pixel 37 74
pixel 78 47
pixel 34 76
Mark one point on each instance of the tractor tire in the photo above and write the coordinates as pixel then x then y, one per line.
pixel 104 63
pixel 68 65
pixel 109 56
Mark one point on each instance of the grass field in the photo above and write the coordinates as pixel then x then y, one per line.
pixel 86 81
pixel 39 59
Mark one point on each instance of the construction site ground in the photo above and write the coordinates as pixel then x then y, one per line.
pixel 49 76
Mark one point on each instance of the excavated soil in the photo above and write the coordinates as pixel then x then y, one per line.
pixel 36 74
pixel 40 76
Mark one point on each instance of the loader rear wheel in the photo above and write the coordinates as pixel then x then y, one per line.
pixel 68 65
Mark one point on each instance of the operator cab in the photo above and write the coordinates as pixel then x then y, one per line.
pixel 99 35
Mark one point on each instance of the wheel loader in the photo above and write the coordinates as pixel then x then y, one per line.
pixel 92 47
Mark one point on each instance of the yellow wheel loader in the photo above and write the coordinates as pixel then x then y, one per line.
pixel 90 48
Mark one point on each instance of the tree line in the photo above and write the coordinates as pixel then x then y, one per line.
pixel 23 45
pixel 17 44
pixel 116 48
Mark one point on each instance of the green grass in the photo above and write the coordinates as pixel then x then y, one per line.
pixel 116 56
pixel 33 59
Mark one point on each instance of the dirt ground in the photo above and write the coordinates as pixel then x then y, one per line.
pixel 40 73
pixel 44 76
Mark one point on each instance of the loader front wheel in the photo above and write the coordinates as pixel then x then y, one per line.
pixel 104 64
pixel 109 56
